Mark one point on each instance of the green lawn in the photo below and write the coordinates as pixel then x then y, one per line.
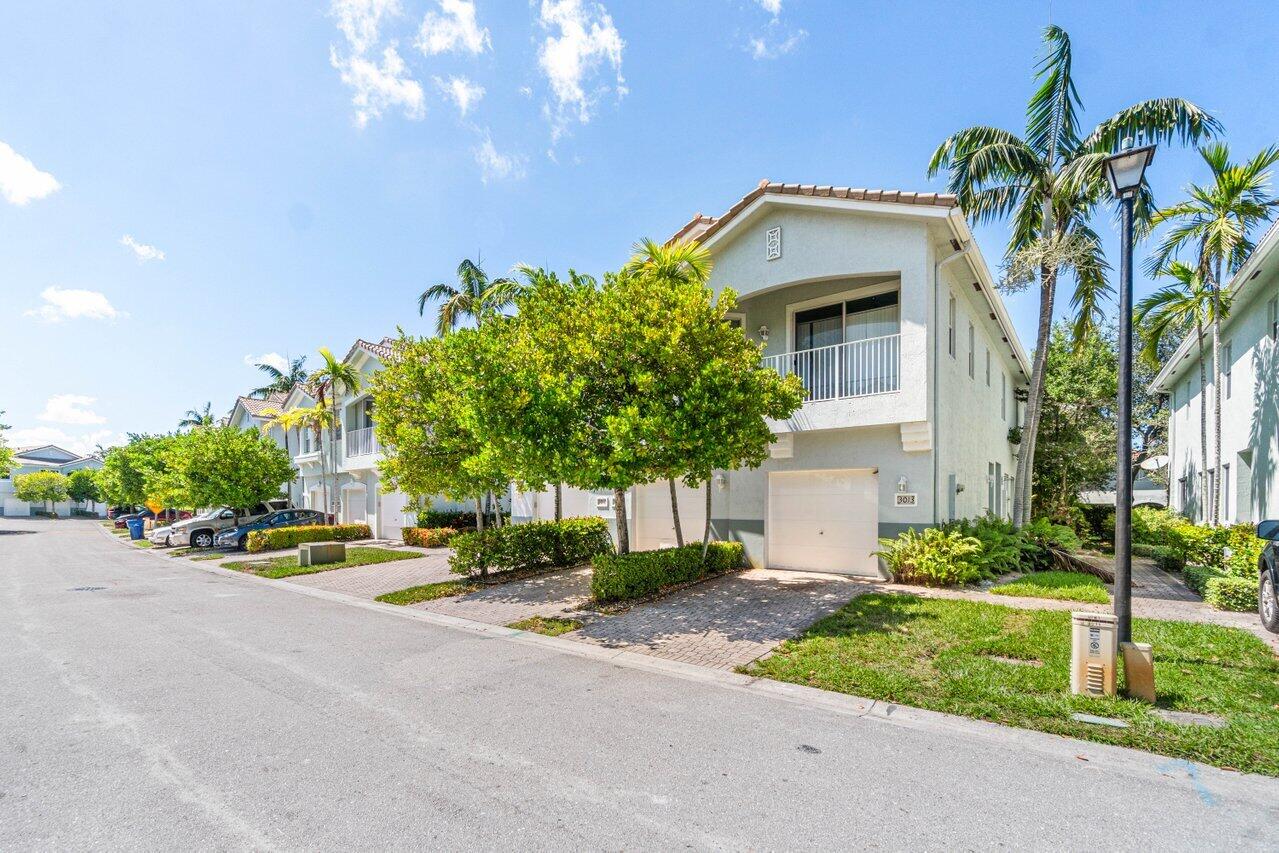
pixel 205 557
pixel 287 566
pixel 1066 586
pixel 428 592
pixel 141 543
pixel 548 625
pixel 946 656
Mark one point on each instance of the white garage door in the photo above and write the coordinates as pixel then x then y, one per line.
pixel 824 521
pixel 654 523
pixel 391 514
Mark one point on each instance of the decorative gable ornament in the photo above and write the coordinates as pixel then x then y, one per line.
pixel 773 243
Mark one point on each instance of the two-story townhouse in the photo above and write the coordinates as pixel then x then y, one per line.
pixel 46 457
pixel 1249 400
pixel 256 413
pixel 881 302
pixel 350 475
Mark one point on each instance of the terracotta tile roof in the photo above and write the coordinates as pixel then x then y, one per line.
pixel 702 227
pixel 256 406
pixel 380 350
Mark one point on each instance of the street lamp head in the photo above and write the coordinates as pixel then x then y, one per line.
pixel 1125 169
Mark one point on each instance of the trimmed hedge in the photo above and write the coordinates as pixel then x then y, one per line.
pixel 428 537
pixel 1197 577
pixel 1165 557
pixel 1231 593
pixel 286 537
pixel 457 519
pixel 620 577
pixel 537 546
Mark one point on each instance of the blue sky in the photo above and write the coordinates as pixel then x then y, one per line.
pixel 306 168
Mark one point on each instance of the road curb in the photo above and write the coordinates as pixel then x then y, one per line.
pixel 1174 772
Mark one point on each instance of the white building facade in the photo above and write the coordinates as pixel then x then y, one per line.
pixel 882 304
pixel 48 457
pixel 1249 401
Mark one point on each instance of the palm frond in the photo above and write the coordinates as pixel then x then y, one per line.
pixel 1052 126
pixel 1150 122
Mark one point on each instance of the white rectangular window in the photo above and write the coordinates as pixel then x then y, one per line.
pixel 1003 396
pixel 1225 493
pixel 1228 358
pixel 1272 317
pixel 950 328
pixel 990 486
pixel 988 367
pixel 972 350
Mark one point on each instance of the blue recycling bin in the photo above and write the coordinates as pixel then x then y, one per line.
pixel 135 528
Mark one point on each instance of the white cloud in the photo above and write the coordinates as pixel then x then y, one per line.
pixel 274 359
pixel 764 47
pixel 378 86
pixel 20 180
pixel 70 409
pixel 142 251
pixel 463 92
pixel 495 166
pixel 583 38
pixel 84 443
pixel 772 7
pixel 453 28
pixel 68 304
pixel 526 91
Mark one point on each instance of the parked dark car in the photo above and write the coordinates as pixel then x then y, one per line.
pixel 166 516
pixel 235 538
pixel 122 521
pixel 1268 567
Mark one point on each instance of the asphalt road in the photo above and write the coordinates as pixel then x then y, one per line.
pixel 152 705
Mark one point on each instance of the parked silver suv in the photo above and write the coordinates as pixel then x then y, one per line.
pixel 198 532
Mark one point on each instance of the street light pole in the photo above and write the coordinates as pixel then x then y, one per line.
pixel 1125 171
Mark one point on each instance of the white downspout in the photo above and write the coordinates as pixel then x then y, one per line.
pixel 937 312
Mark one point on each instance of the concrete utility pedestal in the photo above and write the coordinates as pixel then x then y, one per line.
pixel 319 553
pixel 1092 653
pixel 1139 671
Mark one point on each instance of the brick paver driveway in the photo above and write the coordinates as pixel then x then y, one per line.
pixel 725 622
pixel 380 578
pixel 551 594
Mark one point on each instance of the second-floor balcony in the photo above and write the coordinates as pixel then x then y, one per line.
pixel 361 442
pixel 851 369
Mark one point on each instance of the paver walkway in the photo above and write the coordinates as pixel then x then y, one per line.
pixel 727 621
pixel 551 594
pixel 380 578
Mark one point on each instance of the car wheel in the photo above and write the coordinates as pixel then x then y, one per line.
pixel 168 542
pixel 242 544
pixel 1268 605
pixel 202 539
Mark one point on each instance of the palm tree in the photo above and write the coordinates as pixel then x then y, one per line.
pixel 282 381
pixel 476 297
pixel 1049 183
pixel 195 418
pixel 685 262
pixel 1216 220
pixel 333 380
pixel 1172 311
pixel 315 419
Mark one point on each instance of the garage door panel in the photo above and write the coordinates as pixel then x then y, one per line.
pixel 824 521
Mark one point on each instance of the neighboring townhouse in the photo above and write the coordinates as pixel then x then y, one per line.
pixel 358 497
pixel 881 302
pixel 47 457
pixel 256 413
pixel 1249 400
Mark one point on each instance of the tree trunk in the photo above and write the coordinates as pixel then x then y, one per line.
pixel 706 531
pixel 559 501
pixel 324 474
pixel 1034 401
pixel 479 515
pixel 1216 396
pixel 1203 426
pixel 333 455
pixel 679 533
pixel 619 516
pixel 497 510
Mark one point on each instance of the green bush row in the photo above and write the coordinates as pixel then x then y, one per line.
pixel 1165 557
pixel 1234 549
pixel 536 546
pixel 621 577
pixel 1232 593
pixel 457 519
pixel 970 550
pixel 286 537
pixel 427 537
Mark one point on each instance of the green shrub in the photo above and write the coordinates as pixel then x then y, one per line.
pixel 935 557
pixel 428 537
pixel 621 577
pixel 1165 558
pixel 1152 526
pixel 1197 577
pixel 275 538
pixel 1232 593
pixel 1101 523
pixel 1003 549
pixel 536 546
pixel 1245 551
pixel 457 519
pixel 1046 534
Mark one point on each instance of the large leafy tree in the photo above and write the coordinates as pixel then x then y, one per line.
pixel 475 296
pixel 331 381
pixel 1048 182
pixel 1185 306
pixel 129 468
pixel 40 487
pixel 313 419
pixel 226 466
pixel 1215 222
pixel 82 486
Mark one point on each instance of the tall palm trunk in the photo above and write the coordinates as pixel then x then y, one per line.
pixel 1217 485
pixel 619 516
pixel 333 456
pixel 1034 401
pixel 679 533
pixel 1203 424
pixel 324 472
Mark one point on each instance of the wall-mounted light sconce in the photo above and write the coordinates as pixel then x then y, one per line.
pixel 902 483
pixel 721 482
pixel 959 488
pixel 763 334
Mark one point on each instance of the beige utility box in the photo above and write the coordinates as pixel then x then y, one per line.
pixel 1092 653
pixel 319 553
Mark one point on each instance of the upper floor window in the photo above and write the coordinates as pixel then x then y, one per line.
pixel 1003 395
pixel 987 367
pixel 1228 357
pixel 950 328
pixel 972 350
pixel 1272 317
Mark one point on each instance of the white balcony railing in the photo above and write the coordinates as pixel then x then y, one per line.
pixel 852 369
pixel 361 442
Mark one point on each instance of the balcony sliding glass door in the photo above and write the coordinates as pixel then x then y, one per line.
pixel 850 348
